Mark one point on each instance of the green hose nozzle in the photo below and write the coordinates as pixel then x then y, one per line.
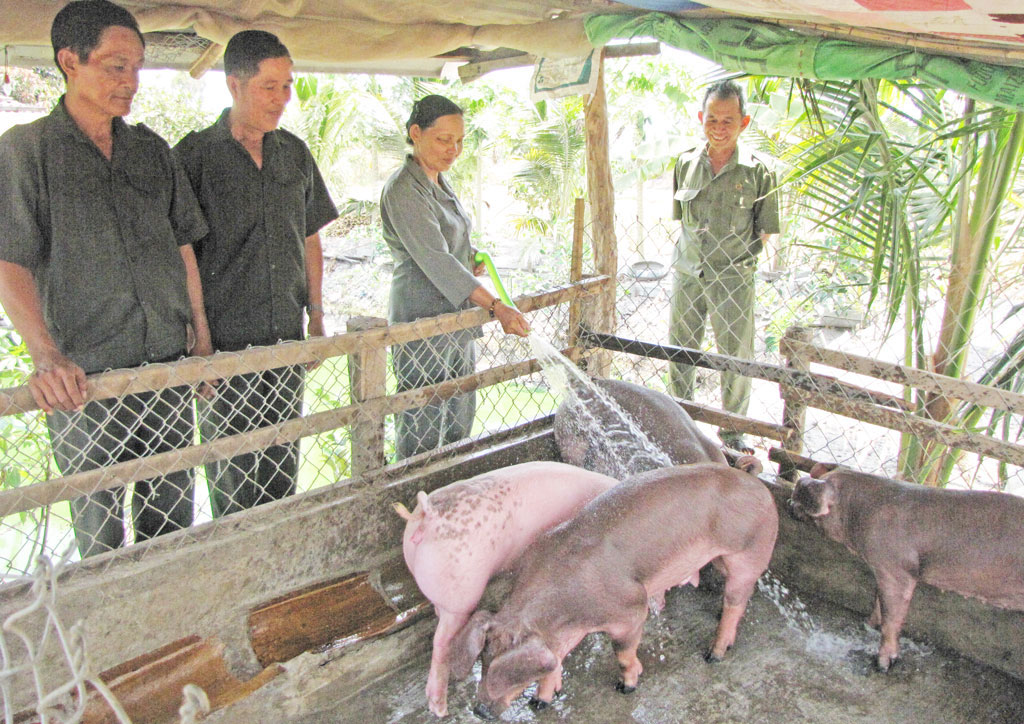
pixel 482 257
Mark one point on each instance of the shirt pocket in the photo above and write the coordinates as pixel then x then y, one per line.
pixel 290 183
pixel 743 197
pixel 684 196
pixel 149 194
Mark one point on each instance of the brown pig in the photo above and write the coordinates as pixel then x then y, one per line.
pixel 460 535
pixel 597 571
pixel 969 542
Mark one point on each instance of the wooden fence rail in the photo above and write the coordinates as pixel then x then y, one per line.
pixel 366 414
pixel 801 388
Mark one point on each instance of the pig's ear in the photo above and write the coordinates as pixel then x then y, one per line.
pixel 748 464
pixel 829 496
pixel 425 506
pixel 520 667
pixel 468 642
pixel 820 470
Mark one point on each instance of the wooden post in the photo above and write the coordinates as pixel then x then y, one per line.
pixel 576 272
pixel 367 375
pixel 794 412
pixel 599 314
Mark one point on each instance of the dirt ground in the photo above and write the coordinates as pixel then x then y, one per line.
pixel 812 666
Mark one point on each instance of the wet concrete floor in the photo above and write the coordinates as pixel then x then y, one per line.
pixel 812 666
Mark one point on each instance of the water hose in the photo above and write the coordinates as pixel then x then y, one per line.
pixel 482 257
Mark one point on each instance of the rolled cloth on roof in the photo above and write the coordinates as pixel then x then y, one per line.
pixel 765 49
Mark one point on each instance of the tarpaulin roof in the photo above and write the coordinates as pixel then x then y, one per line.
pixel 968 22
pixel 419 36
pixel 368 35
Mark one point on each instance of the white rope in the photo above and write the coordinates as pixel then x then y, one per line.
pixel 66 703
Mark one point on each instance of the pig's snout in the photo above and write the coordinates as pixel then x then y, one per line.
pixel 484 711
pixel 795 511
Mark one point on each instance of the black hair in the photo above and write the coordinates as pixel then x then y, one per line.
pixel 247 49
pixel 79 25
pixel 427 110
pixel 724 89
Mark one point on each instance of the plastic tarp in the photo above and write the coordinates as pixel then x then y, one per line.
pixel 763 49
pixel 344 30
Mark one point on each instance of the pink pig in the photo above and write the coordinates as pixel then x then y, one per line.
pixel 460 535
pixel 598 571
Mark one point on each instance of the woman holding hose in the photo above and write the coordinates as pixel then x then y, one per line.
pixel 428 233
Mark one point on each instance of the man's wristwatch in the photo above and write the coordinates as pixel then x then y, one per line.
pixel 311 308
pixel 490 309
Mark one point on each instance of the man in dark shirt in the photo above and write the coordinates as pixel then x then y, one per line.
pixel 97 271
pixel 261 263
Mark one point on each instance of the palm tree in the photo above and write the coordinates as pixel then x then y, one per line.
pixel 553 172
pixel 904 174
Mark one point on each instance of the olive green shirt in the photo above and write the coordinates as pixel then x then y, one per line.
pixel 428 233
pixel 100 237
pixel 253 262
pixel 723 216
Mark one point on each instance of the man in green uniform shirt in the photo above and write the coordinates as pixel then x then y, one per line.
pixel 725 198
pixel 261 263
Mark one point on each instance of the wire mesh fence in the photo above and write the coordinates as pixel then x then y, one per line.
pixel 814 292
pixel 164 447
pixel 183 451
pixel 179 447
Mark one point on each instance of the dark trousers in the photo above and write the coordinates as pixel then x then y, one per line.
pixel 244 403
pixel 115 430
pixel 428 362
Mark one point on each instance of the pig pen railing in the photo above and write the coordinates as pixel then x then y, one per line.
pixel 800 389
pixel 364 346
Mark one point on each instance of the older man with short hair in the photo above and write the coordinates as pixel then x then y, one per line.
pixel 97 271
pixel 726 202
pixel 261 264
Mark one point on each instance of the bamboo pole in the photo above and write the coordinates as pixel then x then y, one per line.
pixel 600 313
pixel 721 362
pixel 576 270
pixel 787 458
pixel 794 414
pixel 922 427
pixel 932 382
pixel 193 370
pixel 721 418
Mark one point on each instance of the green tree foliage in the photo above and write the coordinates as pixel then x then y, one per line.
pixel 552 170
pixel 917 187
pixel 36 86
pixel 170 103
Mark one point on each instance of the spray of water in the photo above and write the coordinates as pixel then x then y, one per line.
pixel 616 444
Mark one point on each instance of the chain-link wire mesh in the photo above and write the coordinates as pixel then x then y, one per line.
pixel 816 292
pixel 174 451
pixel 298 416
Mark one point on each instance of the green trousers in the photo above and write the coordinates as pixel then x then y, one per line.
pixel 117 430
pixel 726 295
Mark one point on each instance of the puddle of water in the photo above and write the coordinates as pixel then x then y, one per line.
pixel 833 646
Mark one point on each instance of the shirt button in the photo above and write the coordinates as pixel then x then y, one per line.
pixel 273 266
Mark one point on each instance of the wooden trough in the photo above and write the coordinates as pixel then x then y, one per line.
pixel 284 588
